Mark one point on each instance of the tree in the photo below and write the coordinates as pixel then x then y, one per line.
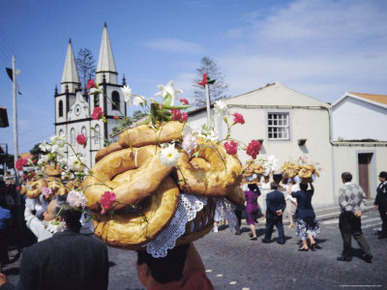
pixel 217 90
pixel 85 65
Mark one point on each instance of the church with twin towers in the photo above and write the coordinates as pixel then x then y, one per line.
pixel 73 108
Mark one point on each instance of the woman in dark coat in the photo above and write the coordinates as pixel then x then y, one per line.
pixel 307 227
pixel 252 208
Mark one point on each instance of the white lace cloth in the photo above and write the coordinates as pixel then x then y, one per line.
pixel 189 206
pixel 187 210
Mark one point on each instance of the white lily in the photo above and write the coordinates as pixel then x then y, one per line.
pixel 127 92
pixel 168 89
pixel 221 108
pixel 138 100
pixel 44 146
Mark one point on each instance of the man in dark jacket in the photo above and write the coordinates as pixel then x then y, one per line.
pixel 68 260
pixel 381 203
pixel 275 207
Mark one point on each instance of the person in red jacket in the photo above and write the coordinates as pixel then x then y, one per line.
pixel 182 268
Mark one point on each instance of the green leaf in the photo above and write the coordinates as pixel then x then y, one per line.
pixel 167 100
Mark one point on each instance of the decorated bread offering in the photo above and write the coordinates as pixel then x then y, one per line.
pixel 160 183
pixel 301 170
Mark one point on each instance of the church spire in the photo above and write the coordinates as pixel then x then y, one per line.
pixel 70 73
pixel 106 65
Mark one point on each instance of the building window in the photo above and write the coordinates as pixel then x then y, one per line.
pixel 278 126
pixel 61 132
pixel 72 136
pixel 60 108
pixel 97 131
pixel 115 101
pixel 96 101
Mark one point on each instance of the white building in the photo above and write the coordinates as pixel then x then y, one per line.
pixel 359 116
pixel 291 125
pixel 73 109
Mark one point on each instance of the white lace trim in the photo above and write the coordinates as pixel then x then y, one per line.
pixel 187 210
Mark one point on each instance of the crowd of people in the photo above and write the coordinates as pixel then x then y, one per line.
pixel 84 258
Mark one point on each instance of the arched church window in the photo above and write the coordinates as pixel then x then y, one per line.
pixel 96 101
pixel 97 132
pixel 60 108
pixel 84 131
pixel 115 101
pixel 72 136
pixel 61 132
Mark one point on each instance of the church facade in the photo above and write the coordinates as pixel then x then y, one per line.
pixel 73 109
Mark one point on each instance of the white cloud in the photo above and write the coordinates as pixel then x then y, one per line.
pixel 175 45
pixel 320 48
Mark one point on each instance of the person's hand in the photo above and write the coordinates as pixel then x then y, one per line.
pixel 279 212
pixel 375 207
pixel 3 279
pixel 358 213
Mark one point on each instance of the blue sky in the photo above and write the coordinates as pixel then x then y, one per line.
pixel 319 48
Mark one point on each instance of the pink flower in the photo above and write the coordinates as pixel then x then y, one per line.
pixel 82 140
pixel 115 118
pixel 47 192
pixel 97 113
pixel 107 201
pixel 184 101
pixel 253 148
pixel 20 163
pixel 177 115
pixel 238 118
pixel 204 81
pixel 91 84
pixel 231 147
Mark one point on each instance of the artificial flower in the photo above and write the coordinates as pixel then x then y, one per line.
pixel 115 118
pixel 189 142
pixel 138 100
pixel 271 164
pixel 178 115
pixel 42 160
pixel 91 84
pixel 76 163
pixel 44 146
pixel 221 108
pixel 238 118
pixel 253 148
pixel 47 192
pixel 97 113
pixel 76 199
pixel 82 140
pixel 127 92
pixel 204 81
pixel 20 163
pixel 107 201
pixel 169 155
pixel 184 101
pixel 168 90
pixel 58 140
pixel 231 147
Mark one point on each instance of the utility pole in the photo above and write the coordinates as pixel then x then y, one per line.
pixel 15 133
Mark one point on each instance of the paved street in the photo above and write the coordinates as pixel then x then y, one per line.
pixel 235 262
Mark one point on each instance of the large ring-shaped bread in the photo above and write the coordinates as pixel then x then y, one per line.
pixel 52 170
pixel 146 135
pixel 113 147
pixel 209 170
pixel 148 173
pixel 35 187
pixel 56 185
pixel 129 230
